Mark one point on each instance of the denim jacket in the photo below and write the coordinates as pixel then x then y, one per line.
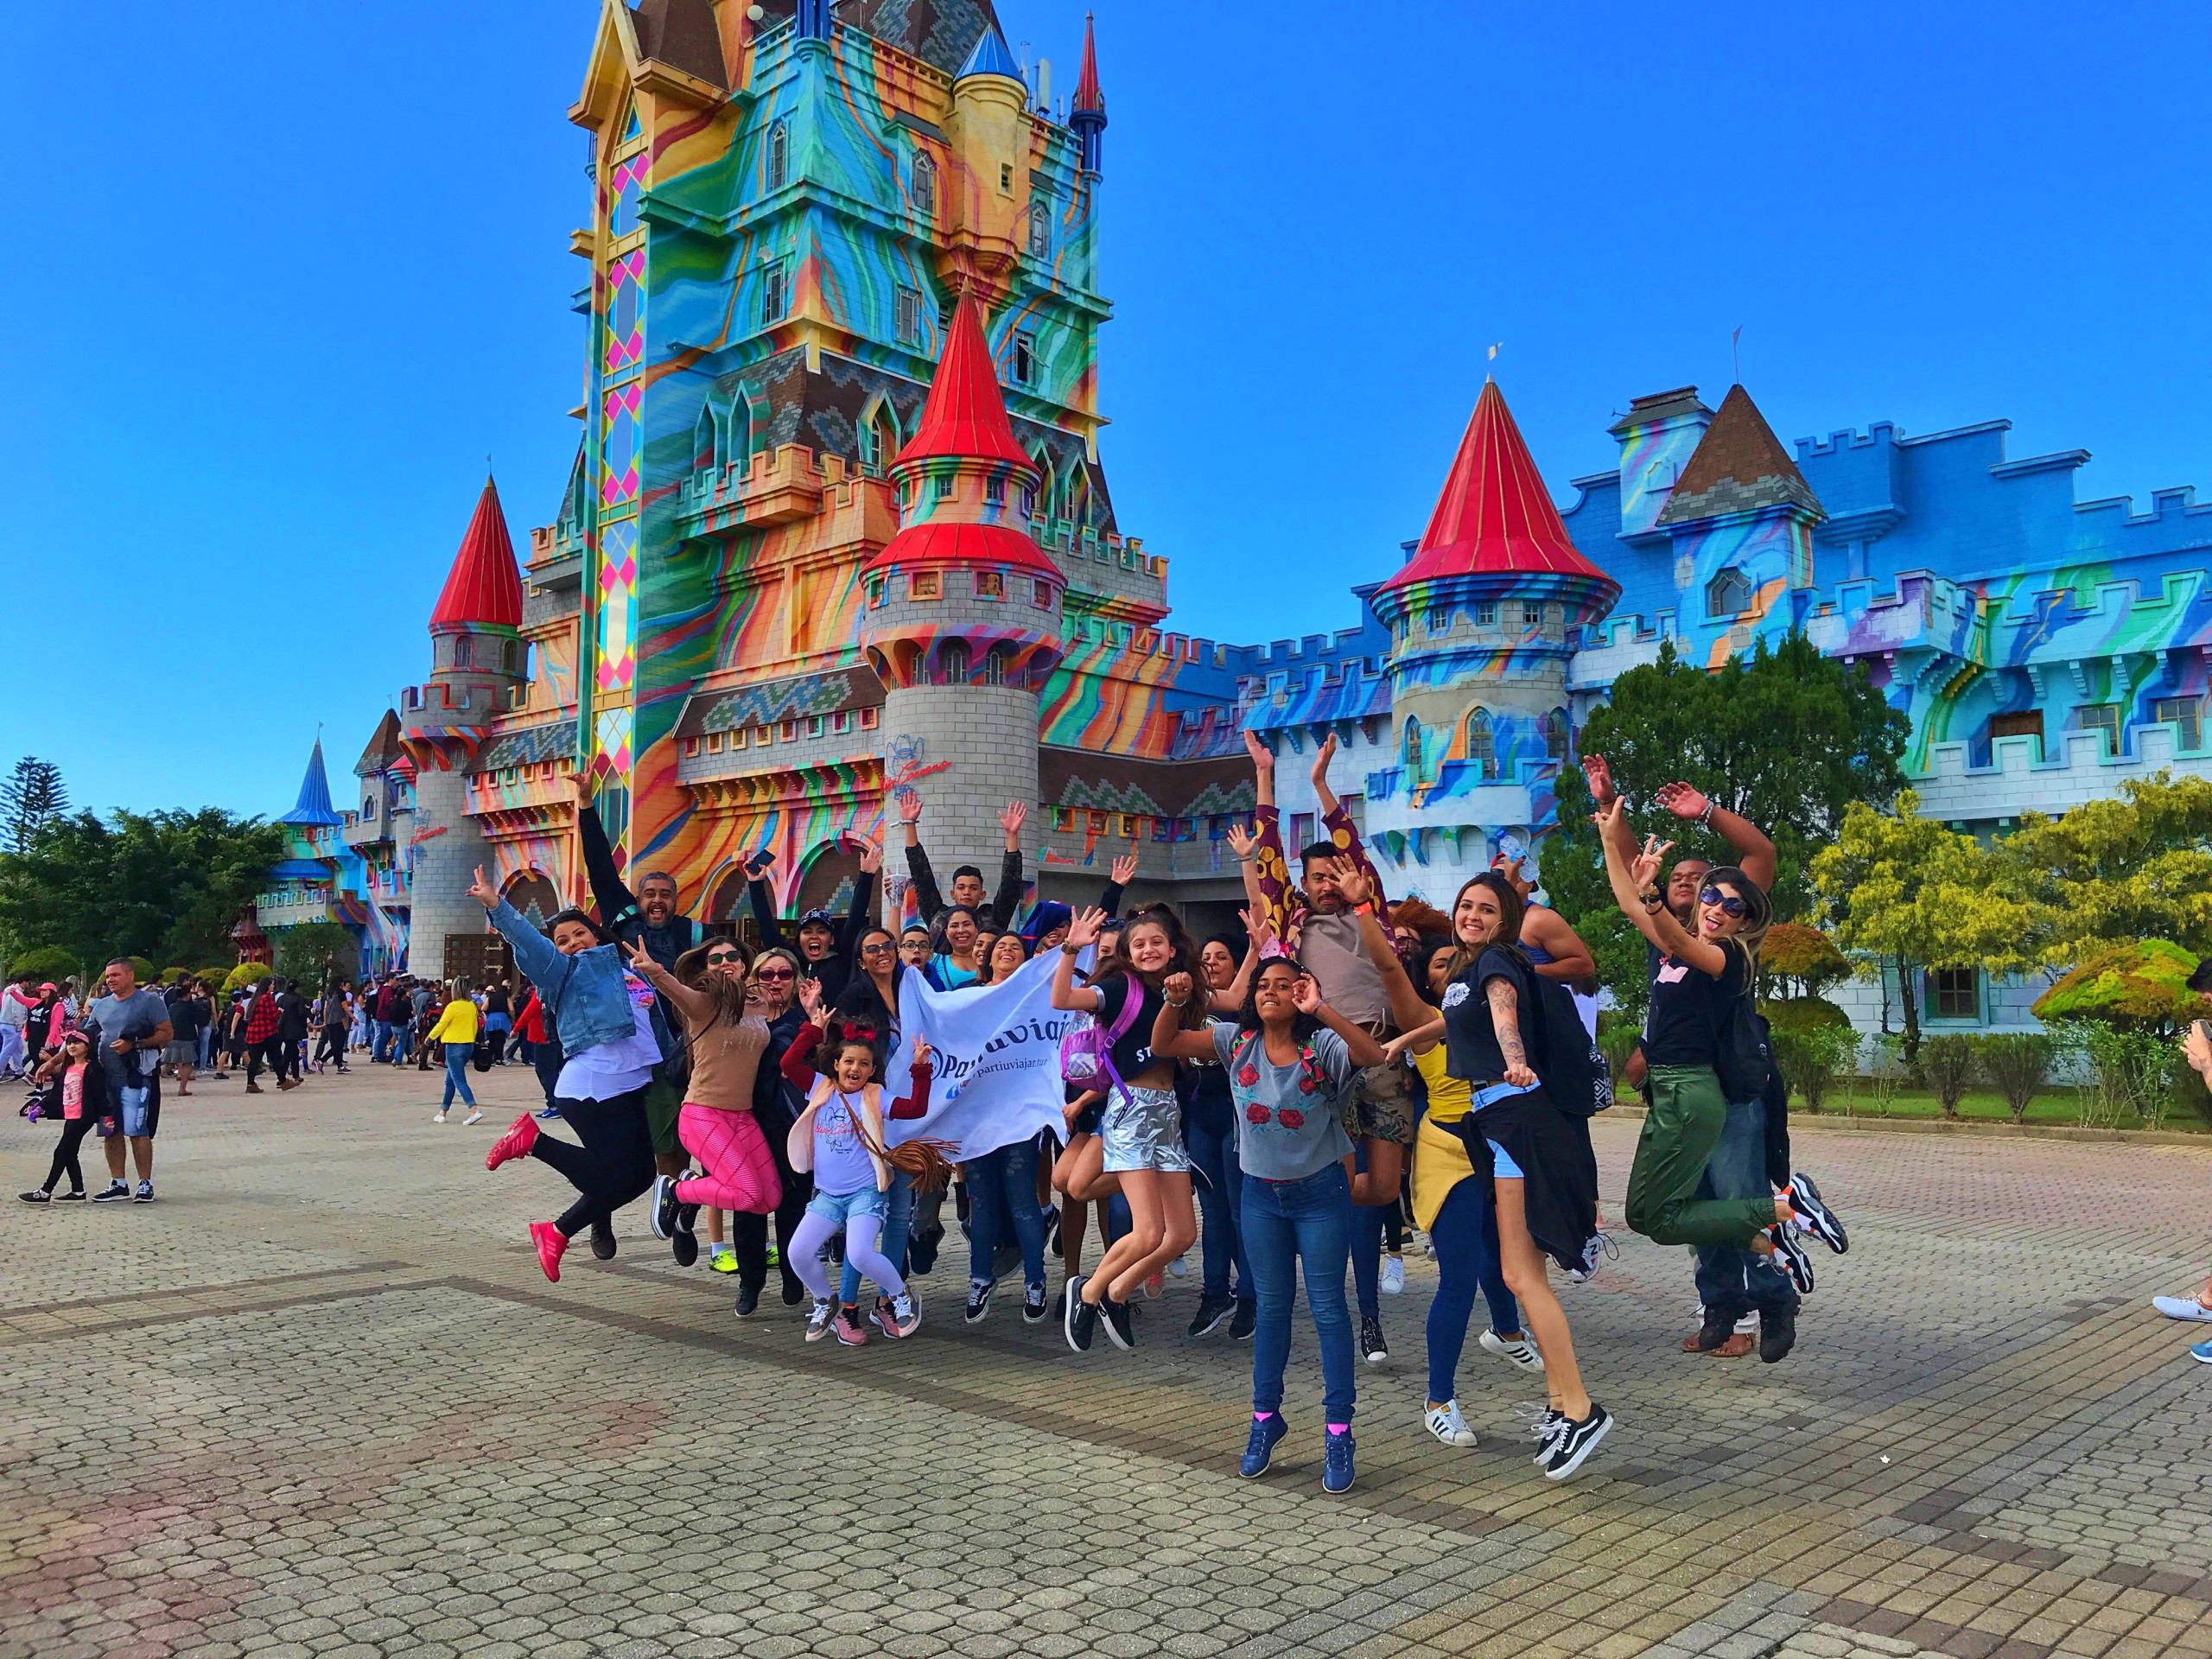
pixel 584 995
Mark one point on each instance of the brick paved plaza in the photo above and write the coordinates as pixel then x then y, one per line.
pixel 319 1400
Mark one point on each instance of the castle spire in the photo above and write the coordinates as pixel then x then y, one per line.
pixel 484 585
pixel 1739 466
pixel 1087 114
pixel 314 805
pixel 993 56
pixel 965 417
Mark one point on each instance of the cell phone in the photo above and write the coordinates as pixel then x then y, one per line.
pixel 2204 1031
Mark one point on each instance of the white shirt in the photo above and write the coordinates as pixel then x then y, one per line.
pixel 608 1070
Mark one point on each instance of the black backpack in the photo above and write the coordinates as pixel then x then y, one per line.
pixel 1568 1060
pixel 1740 1052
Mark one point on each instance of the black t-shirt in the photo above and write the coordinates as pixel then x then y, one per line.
pixel 1686 1009
pixel 1471 1051
pixel 186 1014
pixel 1133 1052
pixel 495 1000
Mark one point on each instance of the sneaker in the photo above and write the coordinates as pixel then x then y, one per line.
pixel 521 1136
pixel 725 1260
pixel 684 1247
pixel 1447 1424
pixel 1778 1334
pixel 921 1249
pixel 2181 1307
pixel 145 1194
pixel 902 1318
pixel 474 1117
pixel 1152 1288
pixel 748 1301
pixel 118 1192
pixel 1597 1251
pixel 1515 1351
pixel 1081 1320
pixel 848 1325
pixel 775 1254
pixel 1815 1217
pixel 2203 1351
pixel 817 1322
pixel 794 1290
pixel 603 1238
pixel 1179 1268
pixel 1035 1308
pixel 1213 1310
pixel 74 1195
pixel 1247 1319
pixel 1120 1331
pixel 979 1301
pixel 1052 1229
pixel 1720 1324
pixel 1393 1275
pixel 1372 1348
pixel 437 1117
pixel 552 1246
pixel 36 1195
pixel 547 1115
pixel 1260 1450
pixel 1789 1255
pixel 1574 1441
pixel 663 1211
pixel 1336 1461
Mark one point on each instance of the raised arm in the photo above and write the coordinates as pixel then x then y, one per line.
pixel 615 900
pixel 861 915
pixel 916 1101
pixel 1008 899
pixel 1571 960
pixel 1634 875
pixel 1082 930
pixel 1230 999
pixel 1342 830
pixel 927 898
pixel 1270 871
pixel 534 953
pixel 1754 852
pixel 759 894
pixel 696 1006
pixel 1407 1009
pixel 1123 872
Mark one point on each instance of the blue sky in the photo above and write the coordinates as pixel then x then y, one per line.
pixel 295 271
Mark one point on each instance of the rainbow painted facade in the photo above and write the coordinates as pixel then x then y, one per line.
pixel 837 523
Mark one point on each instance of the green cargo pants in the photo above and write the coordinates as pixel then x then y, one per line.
pixel 1682 1124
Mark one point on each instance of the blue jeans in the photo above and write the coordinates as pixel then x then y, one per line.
pixel 1221 1205
pixel 382 1051
pixel 1371 1225
pixel 1465 1233
pixel 1729 1277
pixel 1011 1171
pixel 457 1075
pixel 898 1219
pixel 207 1041
pixel 1287 1223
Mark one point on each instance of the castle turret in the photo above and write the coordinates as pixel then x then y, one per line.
pixel 477 664
pixel 964 608
pixel 1483 620
pixel 987 129
pixel 1087 112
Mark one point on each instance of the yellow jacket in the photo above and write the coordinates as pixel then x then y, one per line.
pixel 456 1024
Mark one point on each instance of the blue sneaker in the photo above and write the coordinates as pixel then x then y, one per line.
pixel 549 1114
pixel 2203 1351
pixel 1260 1450
pixel 1336 1463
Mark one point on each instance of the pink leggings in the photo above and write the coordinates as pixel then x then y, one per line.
pixel 740 1172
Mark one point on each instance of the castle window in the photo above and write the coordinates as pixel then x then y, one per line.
pixel 737 738
pixel 924 189
pixel 869 717
pixel 1040 593
pixel 2102 717
pixel 995 661
pixel 842 721
pixel 1023 368
pixel 1006 178
pixel 775 290
pixel 762 736
pixel 910 317
pixel 926 584
pixel 990 584
pixel 953 660
pixel 1094 824
pixel 1064 819
pixel 1728 593
pixel 779 155
pixel 460 650
pixel 1482 743
pixel 788 731
pixel 1532 613
pixel 879 441
pixel 2020 723
pixel 714 742
pixel 1485 612
pixel 1410 750
pixel 1440 617
pixel 1954 993
pixel 874 592
pixel 512 652
pixel 737 447
pixel 1041 231
pixel 2187 715
pixel 994 490
pixel 1555 734
pixel 814 725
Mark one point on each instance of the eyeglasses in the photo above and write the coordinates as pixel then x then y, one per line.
pixel 719 956
pixel 1729 903
pixel 880 948
pixel 773 973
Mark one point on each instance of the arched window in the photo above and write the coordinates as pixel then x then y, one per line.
pixel 737 433
pixel 953 660
pixel 995 665
pixel 925 190
pixel 1037 498
pixel 1482 743
pixel 1041 231
pixel 1079 503
pixel 460 650
pixel 1555 734
pixel 779 155
pixel 1410 752
pixel 702 439
pixel 879 439
pixel 1728 593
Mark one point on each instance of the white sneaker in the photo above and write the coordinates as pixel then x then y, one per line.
pixel 1447 1424
pixel 817 1322
pixel 2181 1307
pixel 1519 1352
pixel 440 1118
pixel 474 1117
pixel 1179 1267
pixel 1393 1275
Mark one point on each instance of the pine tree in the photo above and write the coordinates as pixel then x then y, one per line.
pixel 30 798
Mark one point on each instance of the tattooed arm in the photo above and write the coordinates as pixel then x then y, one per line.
pixel 1505 1020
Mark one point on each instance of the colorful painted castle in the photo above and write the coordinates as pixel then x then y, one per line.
pixel 837 524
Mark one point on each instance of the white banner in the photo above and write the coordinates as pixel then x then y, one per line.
pixel 996 1062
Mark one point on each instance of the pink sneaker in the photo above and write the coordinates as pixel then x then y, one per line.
pixel 521 1136
pixel 551 1246
pixel 848 1325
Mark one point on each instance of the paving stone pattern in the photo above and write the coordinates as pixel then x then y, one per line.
pixel 318 1400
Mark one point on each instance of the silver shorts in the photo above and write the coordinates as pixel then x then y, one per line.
pixel 1142 1128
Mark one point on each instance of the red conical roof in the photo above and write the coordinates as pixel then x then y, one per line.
pixel 1494 516
pixel 484 585
pixel 1086 83
pixel 965 418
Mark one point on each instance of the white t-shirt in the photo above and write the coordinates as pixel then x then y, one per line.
pixel 608 1070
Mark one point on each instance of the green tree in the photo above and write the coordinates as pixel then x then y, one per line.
pixel 167 886
pixel 45 962
pixel 315 953
pixel 31 797
pixel 2137 866
pixel 1905 890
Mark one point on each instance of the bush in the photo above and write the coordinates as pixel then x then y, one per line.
pixel 1948 1065
pixel 1617 1036
pixel 148 973
pixel 48 962
pixel 2140 987
pixel 213 978
pixel 1804 1013
pixel 1801 956
pixel 245 973
pixel 2016 1065
pixel 1811 1057
pixel 2134 1072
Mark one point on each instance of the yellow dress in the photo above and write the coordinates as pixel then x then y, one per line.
pixel 1441 1161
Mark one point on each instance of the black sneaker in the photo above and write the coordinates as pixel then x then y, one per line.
pixel 74 1195
pixel 1719 1325
pixel 1789 1255
pixel 684 1247
pixel 145 1194
pixel 1082 1320
pixel 1213 1310
pixel 748 1301
pixel 1119 1330
pixel 687 1217
pixel 1572 1442
pixel 921 1249
pixel 1372 1348
pixel 794 1289
pixel 1247 1319
pixel 1052 1229
pixel 1034 1310
pixel 1815 1217
pixel 36 1195
pixel 603 1238
pixel 979 1301
pixel 663 1213
pixel 1778 1333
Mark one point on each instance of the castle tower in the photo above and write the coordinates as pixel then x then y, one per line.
pixel 1740 517
pixel 476 666
pixel 1087 113
pixel 987 129
pixel 962 624
pixel 1483 622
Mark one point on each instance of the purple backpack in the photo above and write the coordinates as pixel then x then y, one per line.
pixel 1087 1048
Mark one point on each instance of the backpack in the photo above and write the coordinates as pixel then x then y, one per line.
pixel 1087 1048
pixel 1740 1050
pixel 1568 1060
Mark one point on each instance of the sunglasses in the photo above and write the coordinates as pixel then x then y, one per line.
pixel 723 956
pixel 880 948
pixel 773 973
pixel 1729 903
